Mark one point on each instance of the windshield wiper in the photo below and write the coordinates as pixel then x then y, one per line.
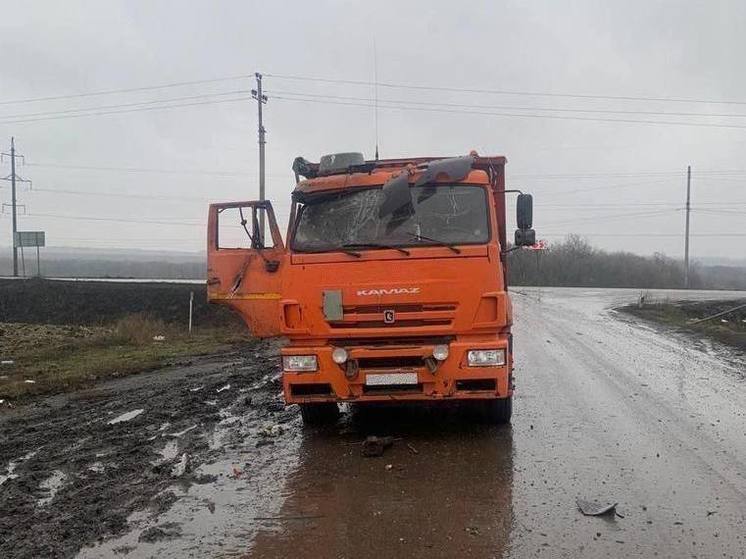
pixel 424 238
pixel 331 249
pixel 376 245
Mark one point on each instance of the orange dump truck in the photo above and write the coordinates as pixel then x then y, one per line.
pixel 391 285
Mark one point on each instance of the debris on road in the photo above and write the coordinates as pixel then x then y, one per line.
pixel 125 416
pixel 375 446
pixel 7 362
pixel 181 468
pixel 411 447
pixel 29 381
pixel 272 431
pixel 594 508
pixel 222 388
pixel 159 338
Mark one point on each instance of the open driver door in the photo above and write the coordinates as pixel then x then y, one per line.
pixel 244 269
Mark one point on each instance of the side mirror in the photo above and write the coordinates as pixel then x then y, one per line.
pixel 524 211
pixel 525 237
pixel 524 215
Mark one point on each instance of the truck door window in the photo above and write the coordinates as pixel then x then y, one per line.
pixel 454 214
pixel 239 228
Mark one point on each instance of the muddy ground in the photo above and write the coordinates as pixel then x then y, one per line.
pixel 74 467
pixel 608 408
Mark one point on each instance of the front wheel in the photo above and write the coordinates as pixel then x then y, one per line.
pixel 322 413
pixel 497 411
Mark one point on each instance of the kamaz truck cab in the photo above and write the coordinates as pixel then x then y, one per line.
pixel 391 285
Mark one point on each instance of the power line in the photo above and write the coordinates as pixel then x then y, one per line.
pixel 123 105
pixel 653 213
pixel 390 85
pixel 513 115
pixel 676 235
pixel 146 170
pixel 125 90
pixel 504 91
pixel 119 220
pixel 141 109
pixel 508 107
pixel 122 194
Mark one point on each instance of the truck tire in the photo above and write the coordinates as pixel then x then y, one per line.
pixel 499 411
pixel 322 413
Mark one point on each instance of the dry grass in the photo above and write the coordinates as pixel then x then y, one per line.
pixel 59 358
pixel 730 329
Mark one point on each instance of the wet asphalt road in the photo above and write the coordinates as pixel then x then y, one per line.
pixel 606 408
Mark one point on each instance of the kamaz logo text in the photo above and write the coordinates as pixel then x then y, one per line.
pixel 392 291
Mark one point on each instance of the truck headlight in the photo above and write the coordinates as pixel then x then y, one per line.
pixel 486 357
pixel 299 363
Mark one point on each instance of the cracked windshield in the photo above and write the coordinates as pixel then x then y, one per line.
pixel 436 215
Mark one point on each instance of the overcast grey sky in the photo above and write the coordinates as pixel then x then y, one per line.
pixel 613 182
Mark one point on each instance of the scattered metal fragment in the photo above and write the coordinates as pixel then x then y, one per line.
pixel 180 469
pixel 594 508
pixel 375 446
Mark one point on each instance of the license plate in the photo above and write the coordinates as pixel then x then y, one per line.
pixel 390 378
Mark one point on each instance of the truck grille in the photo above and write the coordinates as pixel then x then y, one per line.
pixel 406 315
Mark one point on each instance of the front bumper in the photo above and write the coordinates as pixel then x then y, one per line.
pixel 452 379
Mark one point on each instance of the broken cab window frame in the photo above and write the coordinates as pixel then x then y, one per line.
pixel 255 206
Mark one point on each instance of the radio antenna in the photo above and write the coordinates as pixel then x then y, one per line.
pixel 375 85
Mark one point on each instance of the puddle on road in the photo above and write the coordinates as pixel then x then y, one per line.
pixel 13 464
pixel 449 497
pixel 51 485
pixel 170 451
pixel 184 432
pixel 218 518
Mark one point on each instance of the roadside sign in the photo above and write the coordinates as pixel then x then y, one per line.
pixel 30 238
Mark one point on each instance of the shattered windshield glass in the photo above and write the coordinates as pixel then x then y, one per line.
pixel 447 215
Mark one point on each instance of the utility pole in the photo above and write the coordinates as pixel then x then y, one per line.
pixel 14 178
pixel 261 99
pixel 686 240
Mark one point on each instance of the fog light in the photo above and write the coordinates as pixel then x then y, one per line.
pixel 299 363
pixel 440 352
pixel 486 357
pixel 339 355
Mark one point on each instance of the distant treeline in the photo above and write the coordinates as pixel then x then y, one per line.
pixel 574 262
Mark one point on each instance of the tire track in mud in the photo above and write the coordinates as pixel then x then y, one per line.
pixel 81 468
